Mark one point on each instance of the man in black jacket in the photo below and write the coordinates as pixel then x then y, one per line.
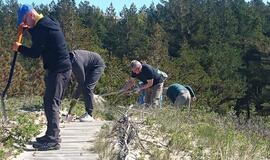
pixel 87 67
pixel 48 41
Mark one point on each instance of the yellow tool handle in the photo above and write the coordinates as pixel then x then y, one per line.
pixel 20 34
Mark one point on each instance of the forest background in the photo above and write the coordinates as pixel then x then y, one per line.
pixel 219 47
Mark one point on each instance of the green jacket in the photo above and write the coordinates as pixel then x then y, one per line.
pixel 175 89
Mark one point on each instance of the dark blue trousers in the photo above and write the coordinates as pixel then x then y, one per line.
pixel 55 84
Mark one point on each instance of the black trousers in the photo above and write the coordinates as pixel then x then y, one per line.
pixel 55 84
pixel 91 79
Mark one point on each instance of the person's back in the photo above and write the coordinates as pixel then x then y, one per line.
pixel 174 90
pixel 87 59
pixel 49 42
pixel 180 94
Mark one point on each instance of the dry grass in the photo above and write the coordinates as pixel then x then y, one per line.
pixel 174 134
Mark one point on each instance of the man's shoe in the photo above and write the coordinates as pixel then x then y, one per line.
pixel 86 118
pixel 44 139
pixel 46 146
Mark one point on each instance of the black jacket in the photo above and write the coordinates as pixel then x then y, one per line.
pixel 84 64
pixel 147 73
pixel 49 42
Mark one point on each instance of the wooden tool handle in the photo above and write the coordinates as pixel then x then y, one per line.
pixel 20 34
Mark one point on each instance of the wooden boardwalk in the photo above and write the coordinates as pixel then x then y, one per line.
pixel 77 143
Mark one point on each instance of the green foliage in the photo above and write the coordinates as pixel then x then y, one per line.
pixel 201 43
pixel 220 48
pixel 20 135
pixel 2 154
pixel 206 44
pixel 21 128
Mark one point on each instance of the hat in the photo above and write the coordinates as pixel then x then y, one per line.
pixel 23 10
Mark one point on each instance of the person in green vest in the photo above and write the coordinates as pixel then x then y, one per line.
pixel 180 95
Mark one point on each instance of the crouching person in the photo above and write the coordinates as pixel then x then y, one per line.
pixel 87 68
pixel 152 80
pixel 180 95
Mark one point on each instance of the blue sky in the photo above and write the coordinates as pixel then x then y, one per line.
pixel 103 4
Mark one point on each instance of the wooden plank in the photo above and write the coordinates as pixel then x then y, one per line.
pixel 77 143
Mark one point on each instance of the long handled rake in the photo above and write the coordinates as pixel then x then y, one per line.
pixel 19 39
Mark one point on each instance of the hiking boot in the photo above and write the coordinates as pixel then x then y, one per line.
pixel 46 146
pixel 86 118
pixel 46 139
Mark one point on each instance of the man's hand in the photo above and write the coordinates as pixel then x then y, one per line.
pixel 15 46
pixel 137 90
pixel 194 98
pixel 24 26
